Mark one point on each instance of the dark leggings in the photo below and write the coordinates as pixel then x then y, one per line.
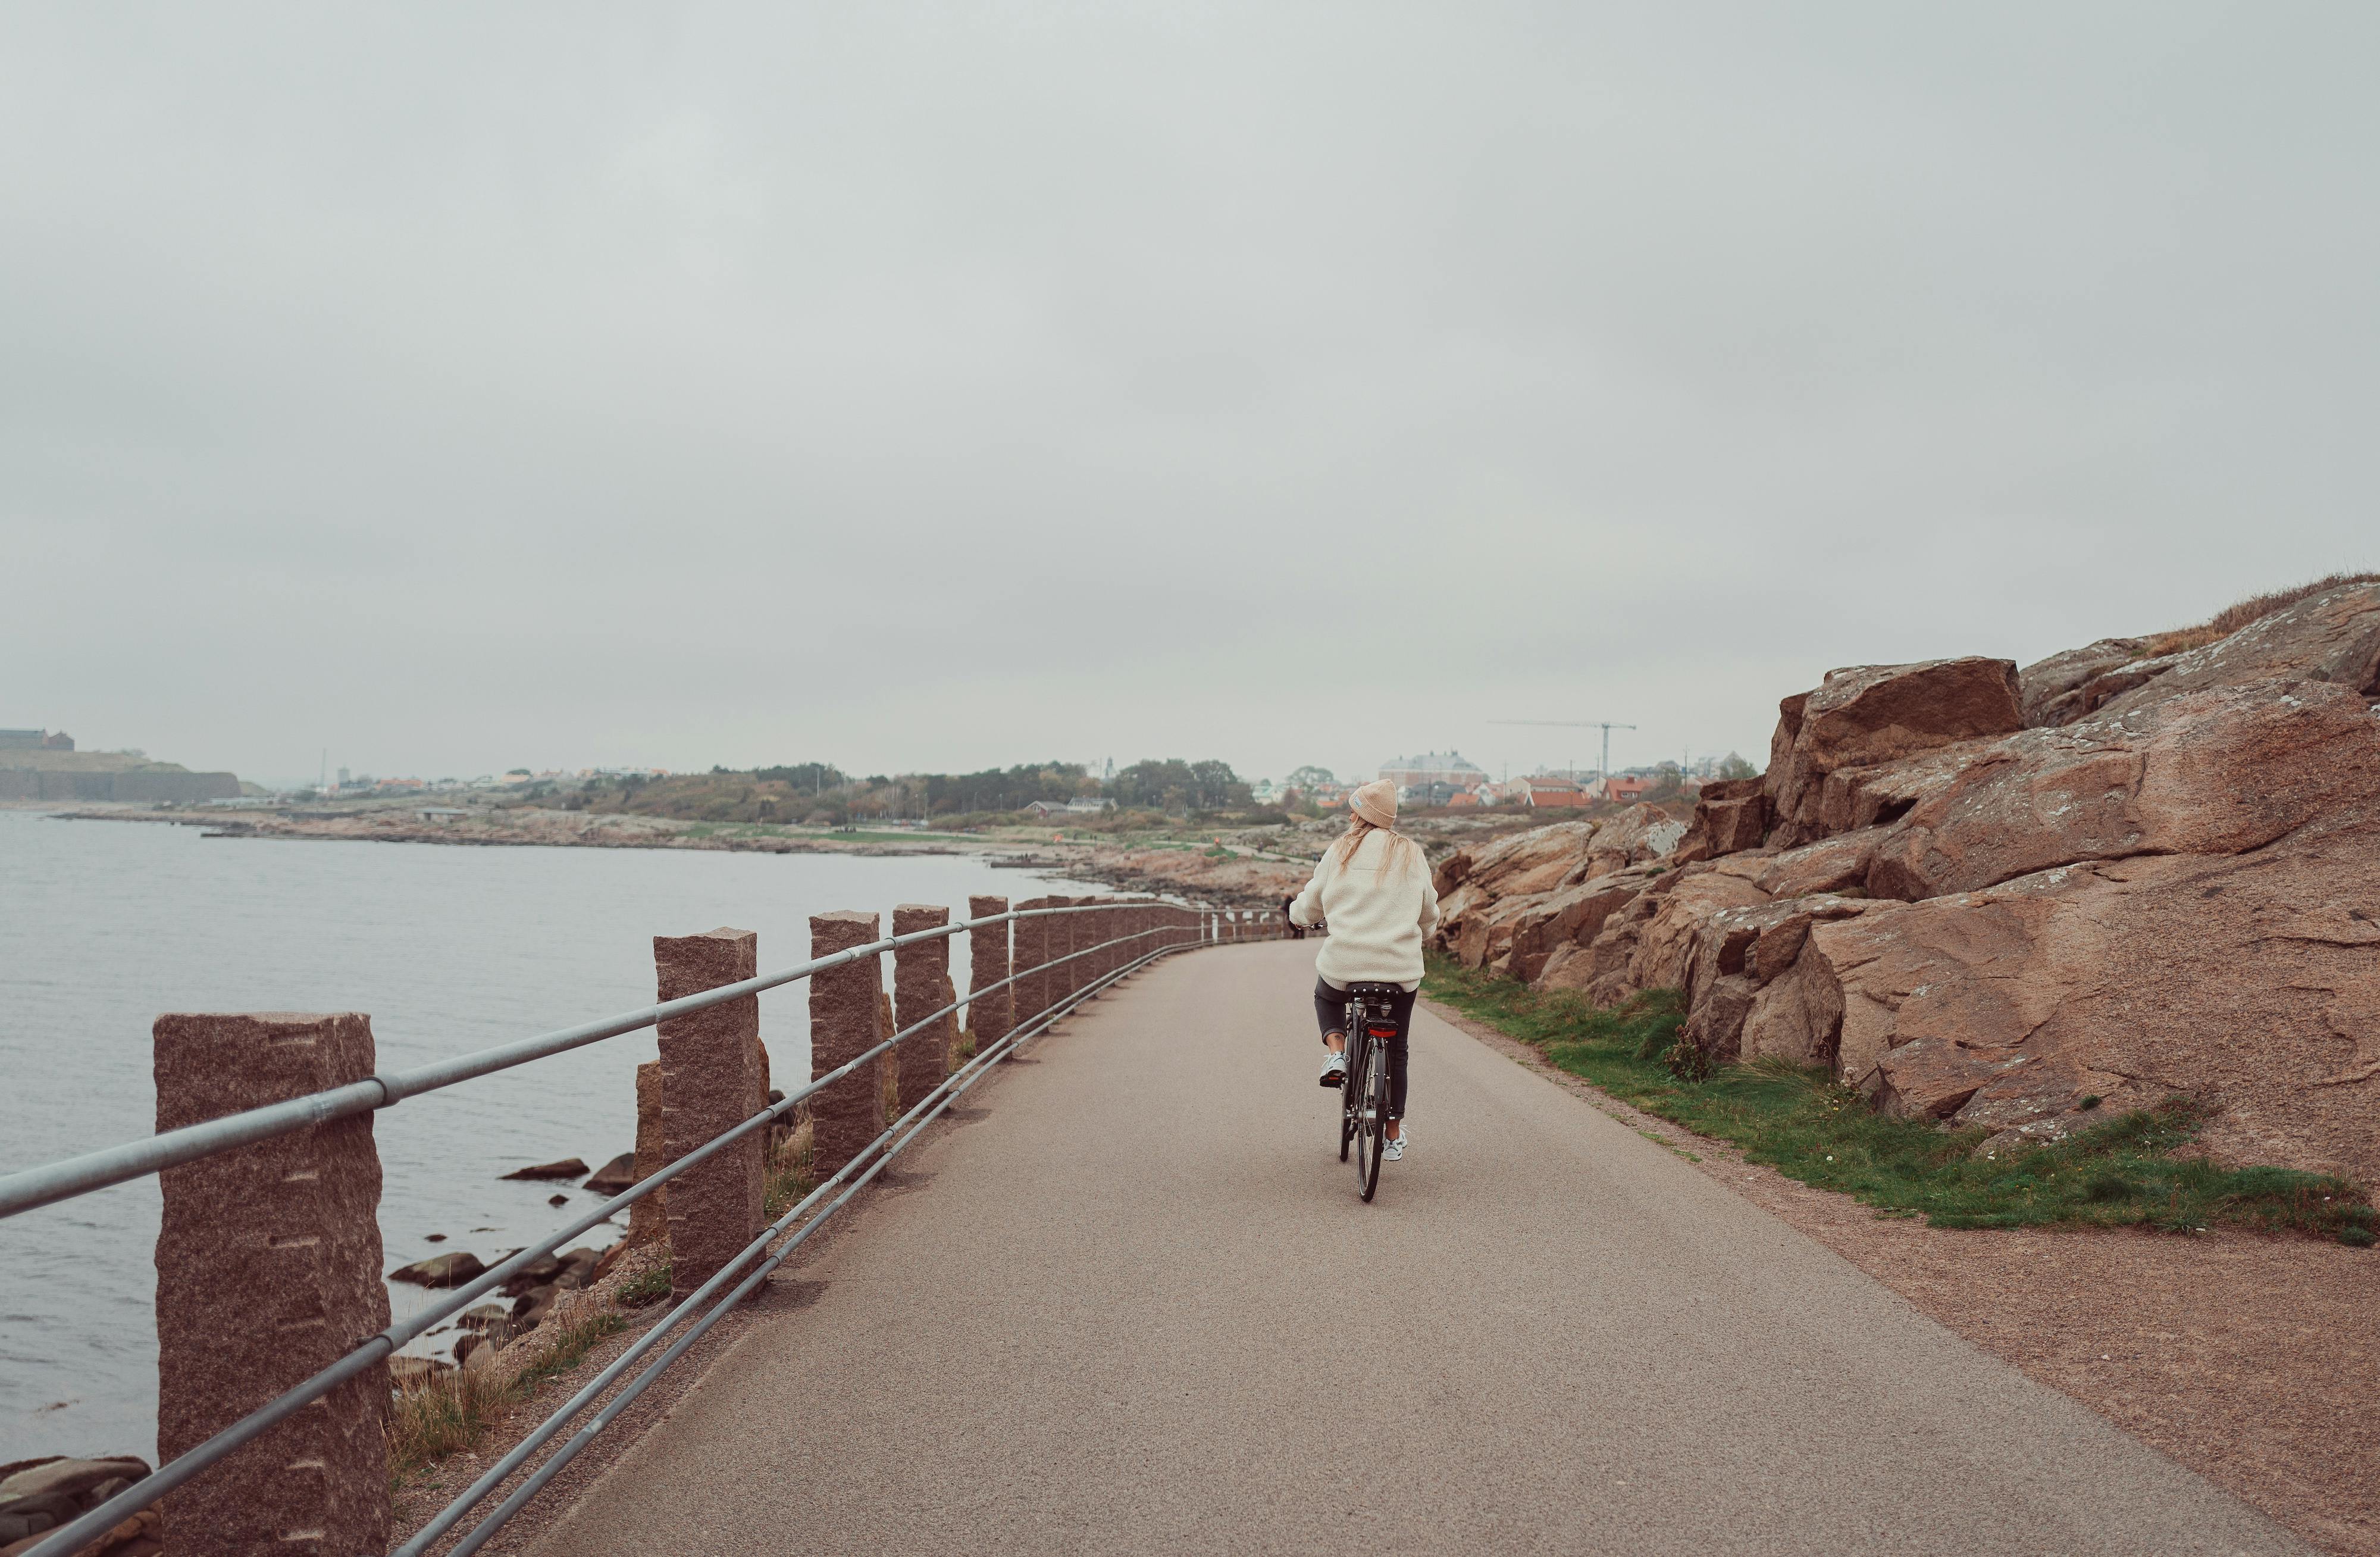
pixel 1330 1011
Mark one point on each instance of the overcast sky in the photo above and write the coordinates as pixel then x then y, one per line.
pixel 919 387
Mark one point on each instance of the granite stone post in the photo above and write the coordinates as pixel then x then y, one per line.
pixel 1087 941
pixel 1066 938
pixel 1058 982
pixel 1060 950
pixel 921 985
pixel 268 1272
pixel 649 1218
pixel 989 1017
pixel 1078 938
pixel 846 1016
pixel 710 1082
pixel 1032 949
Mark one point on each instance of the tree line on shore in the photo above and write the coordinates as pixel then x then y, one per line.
pixel 820 794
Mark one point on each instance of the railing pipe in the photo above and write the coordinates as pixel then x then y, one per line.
pixel 32 1187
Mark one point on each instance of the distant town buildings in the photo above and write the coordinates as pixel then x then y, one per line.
pixel 1045 809
pixel 1450 768
pixel 36 740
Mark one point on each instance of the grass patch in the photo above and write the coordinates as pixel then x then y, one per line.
pixel 2123 1172
pixel 569 1344
pixel 792 1172
pixel 458 1407
pixel 648 1286
pixel 442 1414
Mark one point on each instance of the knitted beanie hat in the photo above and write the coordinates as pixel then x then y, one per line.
pixel 1375 802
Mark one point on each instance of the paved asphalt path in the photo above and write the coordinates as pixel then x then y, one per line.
pixel 1136 1306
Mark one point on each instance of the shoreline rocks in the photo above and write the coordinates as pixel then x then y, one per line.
pixel 614 1176
pixel 569 1167
pixel 441 1270
pixel 40 1494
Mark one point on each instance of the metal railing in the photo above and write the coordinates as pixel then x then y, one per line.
pixel 84 1175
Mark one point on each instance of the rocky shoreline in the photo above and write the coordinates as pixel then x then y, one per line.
pixel 1229 877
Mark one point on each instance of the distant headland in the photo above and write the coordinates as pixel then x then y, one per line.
pixel 44 765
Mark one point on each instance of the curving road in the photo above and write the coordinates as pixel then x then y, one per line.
pixel 1135 1307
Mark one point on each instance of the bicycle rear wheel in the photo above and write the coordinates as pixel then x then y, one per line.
pixel 1369 1081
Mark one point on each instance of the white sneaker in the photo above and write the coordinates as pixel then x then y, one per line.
pixel 1335 1070
pixel 1393 1149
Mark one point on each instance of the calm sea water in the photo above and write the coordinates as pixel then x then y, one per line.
pixel 103 925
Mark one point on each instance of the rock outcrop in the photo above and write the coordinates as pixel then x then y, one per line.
pixel 2003 899
pixel 2219 772
pixel 2332 636
pixel 1518 904
pixel 1873 715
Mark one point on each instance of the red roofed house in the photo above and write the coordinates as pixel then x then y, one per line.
pixel 1545 792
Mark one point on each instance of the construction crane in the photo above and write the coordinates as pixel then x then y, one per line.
pixel 1606 725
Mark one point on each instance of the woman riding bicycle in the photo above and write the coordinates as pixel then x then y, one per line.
pixel 1373 888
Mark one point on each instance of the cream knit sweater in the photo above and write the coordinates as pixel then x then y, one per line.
pixel 1380 908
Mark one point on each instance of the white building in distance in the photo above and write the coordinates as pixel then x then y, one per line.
pixel 1450 768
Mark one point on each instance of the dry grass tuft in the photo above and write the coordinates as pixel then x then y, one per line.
pixel 569 1342
pixel 442 1414
pixel 2255 608
pixel 792 1174
pixel 457 1408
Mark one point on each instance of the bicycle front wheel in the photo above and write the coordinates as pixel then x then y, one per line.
pixel 1351 1103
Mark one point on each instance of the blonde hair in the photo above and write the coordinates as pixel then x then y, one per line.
pixel 1359 827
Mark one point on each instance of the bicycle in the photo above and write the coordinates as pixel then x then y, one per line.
pixel 1364 1098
